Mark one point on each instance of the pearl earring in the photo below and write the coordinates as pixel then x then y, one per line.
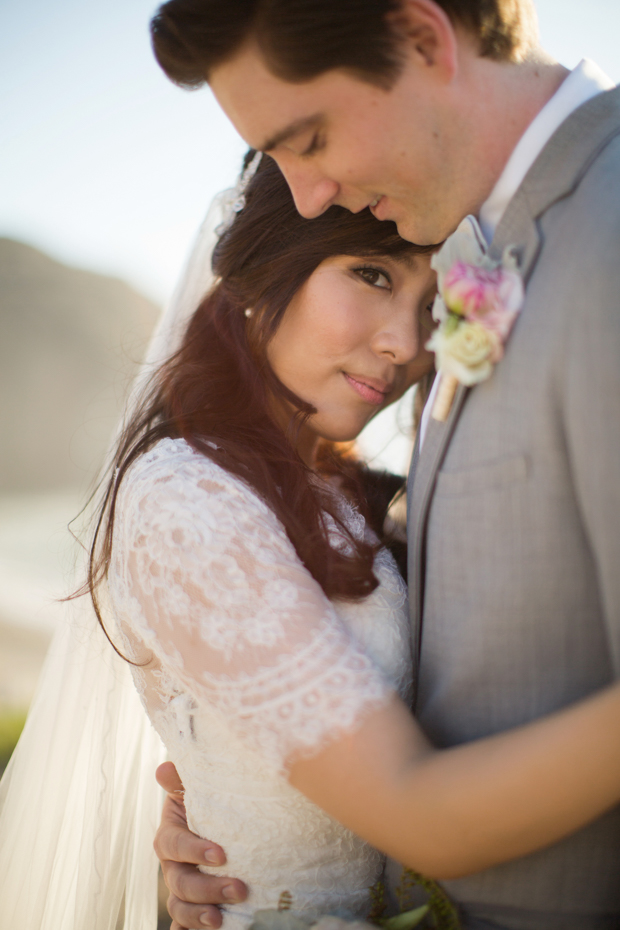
pixel 248 312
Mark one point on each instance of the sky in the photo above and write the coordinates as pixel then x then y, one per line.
pixel 106 165
pixel 103 162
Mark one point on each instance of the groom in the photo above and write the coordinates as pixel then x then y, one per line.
pixel 425 111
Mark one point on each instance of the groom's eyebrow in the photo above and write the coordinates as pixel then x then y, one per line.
pixel 293 129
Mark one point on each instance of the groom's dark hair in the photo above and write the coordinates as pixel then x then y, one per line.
pixel 301 39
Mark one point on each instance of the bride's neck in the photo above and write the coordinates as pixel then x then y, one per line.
pixel 306 441
pixel 307 446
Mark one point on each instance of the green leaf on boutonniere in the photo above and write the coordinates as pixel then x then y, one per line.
pixel 451 323
pixel 406 920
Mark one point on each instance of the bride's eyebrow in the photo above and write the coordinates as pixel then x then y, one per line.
pixel 410 259
pixel 293 129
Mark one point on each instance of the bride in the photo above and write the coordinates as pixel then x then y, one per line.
pixel 266 624
pixel 239 569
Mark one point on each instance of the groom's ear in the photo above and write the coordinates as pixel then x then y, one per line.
pixel 428 36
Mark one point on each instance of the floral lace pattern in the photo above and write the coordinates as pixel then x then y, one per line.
pixel 251 667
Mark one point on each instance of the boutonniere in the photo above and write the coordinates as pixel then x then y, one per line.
pixel 477 302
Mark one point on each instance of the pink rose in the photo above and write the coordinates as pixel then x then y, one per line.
pixel 491 297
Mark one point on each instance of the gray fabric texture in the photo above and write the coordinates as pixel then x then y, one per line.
pixel 521 919
pixel 514 517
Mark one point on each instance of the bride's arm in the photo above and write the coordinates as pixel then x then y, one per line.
pixel 451 812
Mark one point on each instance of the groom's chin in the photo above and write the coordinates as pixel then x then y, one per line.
pixel 419 230
pixel 423 226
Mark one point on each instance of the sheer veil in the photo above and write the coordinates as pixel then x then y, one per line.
pixel 79 803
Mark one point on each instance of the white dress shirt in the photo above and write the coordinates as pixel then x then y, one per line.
pixel 584 82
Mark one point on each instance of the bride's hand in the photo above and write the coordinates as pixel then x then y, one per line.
pixel 193 896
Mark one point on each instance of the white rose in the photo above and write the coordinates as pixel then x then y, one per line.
pixel 468 352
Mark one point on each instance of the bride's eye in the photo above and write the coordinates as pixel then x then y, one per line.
pixel 374 276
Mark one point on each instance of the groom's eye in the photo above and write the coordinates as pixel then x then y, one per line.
pixel 316 143
pixel 374 276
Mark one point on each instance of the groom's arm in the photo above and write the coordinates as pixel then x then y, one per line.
pixel 193 896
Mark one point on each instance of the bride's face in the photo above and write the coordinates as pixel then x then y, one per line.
pixel 352 340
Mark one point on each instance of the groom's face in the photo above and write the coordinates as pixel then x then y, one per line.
pixel 339 139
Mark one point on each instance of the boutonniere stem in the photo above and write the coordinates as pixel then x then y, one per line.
pixel 445 395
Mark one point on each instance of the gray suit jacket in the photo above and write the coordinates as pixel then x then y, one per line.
pixel 514 518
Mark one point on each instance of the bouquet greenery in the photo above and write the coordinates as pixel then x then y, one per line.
pixel 437 912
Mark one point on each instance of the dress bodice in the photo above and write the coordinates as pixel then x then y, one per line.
pixel 250 666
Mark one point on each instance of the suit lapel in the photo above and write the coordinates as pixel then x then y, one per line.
pixel 425 466
pixel 518 231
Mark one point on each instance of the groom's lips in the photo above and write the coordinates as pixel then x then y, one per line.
pixel 372 390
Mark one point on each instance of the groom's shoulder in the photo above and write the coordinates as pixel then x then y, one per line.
pixel 597 192
pixel 591 214
pixel 578 261
pixel 582 229
pixel 584 163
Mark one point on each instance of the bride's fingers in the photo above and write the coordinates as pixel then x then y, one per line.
pixel 174 840
pixel 179 845
pixel 192 916
pixel 192 887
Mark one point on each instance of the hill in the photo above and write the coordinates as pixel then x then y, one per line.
pixel 70 341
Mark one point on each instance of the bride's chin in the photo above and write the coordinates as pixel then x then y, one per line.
pixel 346 427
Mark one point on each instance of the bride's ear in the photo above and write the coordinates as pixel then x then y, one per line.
pixel 428 36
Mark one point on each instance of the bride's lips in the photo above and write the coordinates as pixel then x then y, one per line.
pixel 372 390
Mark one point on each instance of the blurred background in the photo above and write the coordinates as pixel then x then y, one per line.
pixel 106 171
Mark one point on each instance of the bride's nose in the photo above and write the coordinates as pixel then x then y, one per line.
pixel 398 339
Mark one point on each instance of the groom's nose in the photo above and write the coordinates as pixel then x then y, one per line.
pixel 312 191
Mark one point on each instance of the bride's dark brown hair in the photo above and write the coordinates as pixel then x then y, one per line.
pixel 217 391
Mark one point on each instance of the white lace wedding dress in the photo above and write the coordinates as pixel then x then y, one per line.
pixel 252 665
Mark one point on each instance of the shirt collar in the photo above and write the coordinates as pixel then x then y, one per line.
pixel 586 81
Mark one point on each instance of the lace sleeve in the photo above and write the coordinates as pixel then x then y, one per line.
pixel 221 598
